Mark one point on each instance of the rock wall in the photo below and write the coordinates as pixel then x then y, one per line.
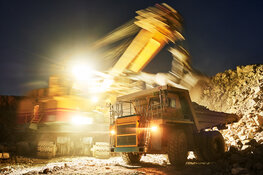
pixel 238 91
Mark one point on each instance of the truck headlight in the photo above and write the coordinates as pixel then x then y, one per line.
pixel 81 120
pixel 112 132
pixel 154 128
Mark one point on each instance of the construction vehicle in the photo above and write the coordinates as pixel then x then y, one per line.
pixel 50 112
pixel 58 121
pixel 163 120
pixel 45 116
pixel 159 26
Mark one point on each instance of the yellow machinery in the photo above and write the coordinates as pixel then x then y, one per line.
pixel 58 121
pixel 159 25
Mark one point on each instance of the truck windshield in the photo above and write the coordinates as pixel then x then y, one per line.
pixel 122 109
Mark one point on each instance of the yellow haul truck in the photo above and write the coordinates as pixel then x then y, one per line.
pixel 57 121
pixel 163 120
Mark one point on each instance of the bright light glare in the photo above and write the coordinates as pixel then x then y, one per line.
pixel 80 120
pixel 82 72
pixel 154 128
pixel 103 86
pixel 94 99
pixel 107 83
pixel 161 79
pixel 112 132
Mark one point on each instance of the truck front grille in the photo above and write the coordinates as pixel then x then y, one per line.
pixel 126 140
pixel 126 135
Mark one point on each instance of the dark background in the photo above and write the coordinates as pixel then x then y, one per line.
pixel 38 37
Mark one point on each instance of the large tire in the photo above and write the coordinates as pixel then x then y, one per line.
pixel 46 149
pixel 201 147
pixel 177 148
pixel 131 158
pixel 212 146
pixel 199 155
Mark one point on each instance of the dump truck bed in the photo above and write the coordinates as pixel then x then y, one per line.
pixel 209 119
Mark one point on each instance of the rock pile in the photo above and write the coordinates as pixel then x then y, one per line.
pixel 235 162
pixel 238 91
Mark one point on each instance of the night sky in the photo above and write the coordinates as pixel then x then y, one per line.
pixel 38 37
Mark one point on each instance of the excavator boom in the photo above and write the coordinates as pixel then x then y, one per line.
pixel 159 25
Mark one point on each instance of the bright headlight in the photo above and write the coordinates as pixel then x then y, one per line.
pixel 80 120
pixel 112 132
pixel 154 128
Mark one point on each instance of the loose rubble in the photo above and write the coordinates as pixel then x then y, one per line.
pixel 238 91
pixel 150 164
pixel 247 161
pixel 65 165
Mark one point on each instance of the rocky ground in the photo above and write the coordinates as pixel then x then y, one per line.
pixel 238 91
pixel 234 162
pixel 150 164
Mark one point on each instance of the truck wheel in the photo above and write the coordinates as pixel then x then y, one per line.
pixel 131 158
pixel 213 146
pixel 201 147
pixel 198 155
pixel 46 149
pixel 177 148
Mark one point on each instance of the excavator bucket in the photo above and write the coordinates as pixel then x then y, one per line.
pixel 159 25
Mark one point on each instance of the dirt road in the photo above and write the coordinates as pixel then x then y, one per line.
pixel 151 164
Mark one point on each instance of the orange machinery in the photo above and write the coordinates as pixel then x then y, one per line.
pixel 58 121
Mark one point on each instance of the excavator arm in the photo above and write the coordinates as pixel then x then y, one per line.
pixel 159 25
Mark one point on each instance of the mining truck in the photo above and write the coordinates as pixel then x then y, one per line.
pixel 163 120
pixel 58 121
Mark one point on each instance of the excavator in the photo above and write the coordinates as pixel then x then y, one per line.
pixel 60 120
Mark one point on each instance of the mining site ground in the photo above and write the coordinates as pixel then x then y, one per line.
pixel 234 162
pixel 150 164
